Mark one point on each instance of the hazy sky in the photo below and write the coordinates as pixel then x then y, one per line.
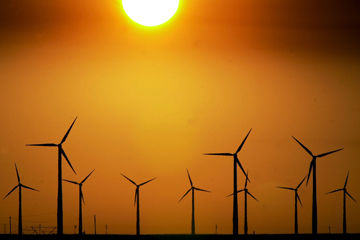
pixel 151 101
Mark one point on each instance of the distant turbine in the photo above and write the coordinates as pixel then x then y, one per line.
pixel 246 192
pixel 297 198
pixel 81 197
pixel 235 201
pixel 20 204
pixel 61 152
pixel 192 189
pixel 313 168
pixel 137 201
pixel 344 208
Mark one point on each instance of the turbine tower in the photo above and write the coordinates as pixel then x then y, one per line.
pixel 137 201
pixel 297 198
pixel 246 192
pixel 61 152
pixel 20 200
pixel 235 201
pixel 344 207
pixel 81 197
pixel 192 189
pixel 313 169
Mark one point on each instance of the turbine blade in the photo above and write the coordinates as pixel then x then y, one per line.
pixel 146 182
pixel 71 181
pixel 43 145
pixel 247 178
pixel 87 176
pixel 301 183
pixel 189 178
pixel 337 190
pixel 241 145
pixel 286 188
pixel 219 154
pixel 185 194
pixel 63 153
pixel 252 196
pixel 17 173
pixel 242 169
pixel 82 197
pixel 29 188
pixel 349 195
pixel 311 166
pixel 129 179
pixel 324 154
pixel 297 196
pixel 346 179
pixel 136 193
pixel 11 191
pixel 309 152
pixel 236 192
pixel 199 189
pixel 67 133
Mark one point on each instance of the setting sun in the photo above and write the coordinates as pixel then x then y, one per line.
pixel 150 12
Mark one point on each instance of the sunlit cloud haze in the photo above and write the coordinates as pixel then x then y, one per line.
pixel 151 101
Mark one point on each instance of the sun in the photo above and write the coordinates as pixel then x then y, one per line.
pixel 150 12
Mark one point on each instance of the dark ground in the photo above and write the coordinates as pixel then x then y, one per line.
pixel 189 237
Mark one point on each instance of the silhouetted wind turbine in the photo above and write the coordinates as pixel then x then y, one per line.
pixel 137 201
pixel 20 204
pixel 61 152
pixel 192 189
pixel 313 168
pixel 297 198
pixel 235 201
pixel 344 208
pixel 81 197
pixel 246 192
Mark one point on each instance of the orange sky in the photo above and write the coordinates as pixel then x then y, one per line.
pixel 150 101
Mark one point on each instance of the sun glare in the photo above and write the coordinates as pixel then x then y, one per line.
pixel 150 12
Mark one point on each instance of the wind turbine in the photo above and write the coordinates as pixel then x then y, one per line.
pixel 344 208
pixel 235 201
pixel 61 152
pixel 81 197
pixel 137 201
pixel 313 168
pixel 192 189
pixel 246 192
pixel 20 204
pixel 297 198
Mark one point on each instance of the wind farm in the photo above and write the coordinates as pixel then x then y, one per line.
pixel 192 189
pixel 151 101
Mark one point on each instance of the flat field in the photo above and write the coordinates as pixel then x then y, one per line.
pixel 188 237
